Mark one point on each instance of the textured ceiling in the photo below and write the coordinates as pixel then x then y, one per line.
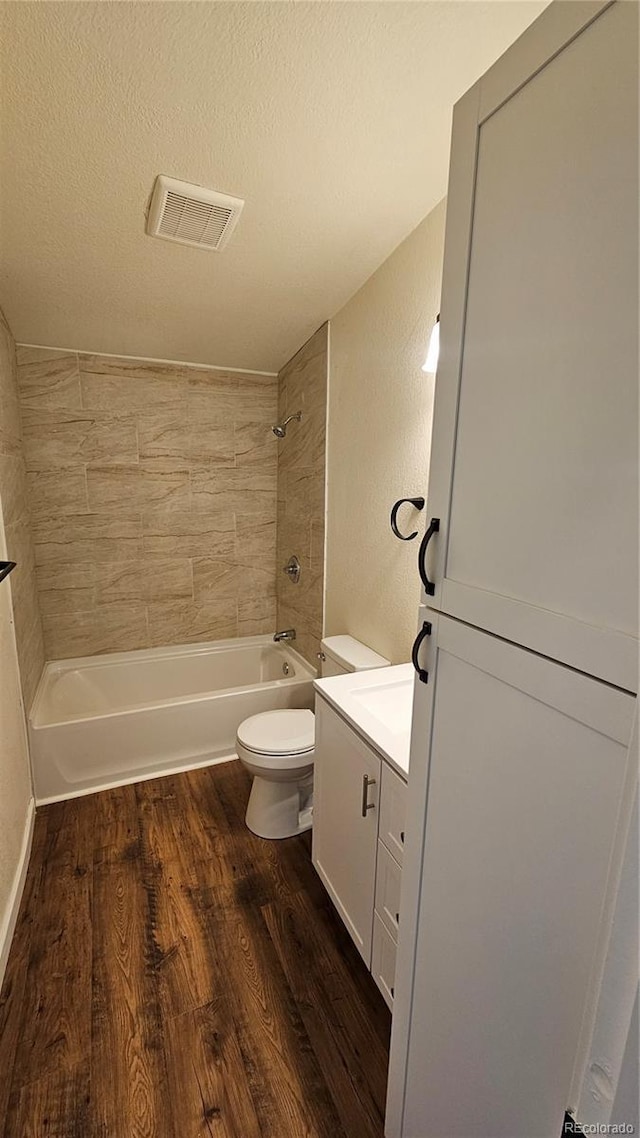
pixel 331 119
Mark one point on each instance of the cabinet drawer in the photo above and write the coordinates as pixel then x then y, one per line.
pixel 383 961
pixel 392 812
pixel 388 880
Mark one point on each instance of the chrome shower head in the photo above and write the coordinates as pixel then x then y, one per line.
pixel 280 429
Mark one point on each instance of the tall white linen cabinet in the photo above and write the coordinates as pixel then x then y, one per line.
pixel 523 764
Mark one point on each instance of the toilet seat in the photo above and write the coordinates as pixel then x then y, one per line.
pixel 277 748
pixel 275 736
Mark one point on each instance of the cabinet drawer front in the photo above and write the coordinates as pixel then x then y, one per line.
pixel 383 961
pixel 388 881
pixel 392 812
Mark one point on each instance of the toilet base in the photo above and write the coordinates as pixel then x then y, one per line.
pixel 280 809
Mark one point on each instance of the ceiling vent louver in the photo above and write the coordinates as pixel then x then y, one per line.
pixel 192 215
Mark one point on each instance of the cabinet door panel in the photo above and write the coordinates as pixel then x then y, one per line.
pixel 528 765
pixel 388 880
pixel 345 841
pixel 535 448
pixel 383 963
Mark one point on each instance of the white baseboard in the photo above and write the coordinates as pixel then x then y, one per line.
pixel 10 917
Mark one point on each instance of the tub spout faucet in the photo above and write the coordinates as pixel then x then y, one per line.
pixel 288 634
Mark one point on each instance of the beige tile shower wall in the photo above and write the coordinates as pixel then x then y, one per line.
pixel 153 495
pixel 302 386
pixel 17 522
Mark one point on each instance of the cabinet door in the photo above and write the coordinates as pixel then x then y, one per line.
pixel 345 822
pixel 535 439
pixel 525 768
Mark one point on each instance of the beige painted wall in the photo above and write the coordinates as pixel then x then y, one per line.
pixel 15 781
pixel 153 496
pixel 18 618
pixel 302 386
pixel 17 521
pixel 379 438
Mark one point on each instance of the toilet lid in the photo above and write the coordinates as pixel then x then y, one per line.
pixel 287 732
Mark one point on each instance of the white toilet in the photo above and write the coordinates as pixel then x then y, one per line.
pixel 277 748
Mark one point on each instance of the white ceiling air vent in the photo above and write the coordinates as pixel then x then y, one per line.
pixel 192 215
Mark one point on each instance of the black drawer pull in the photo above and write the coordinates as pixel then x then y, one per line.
pixel 425 631
pixel 402 836
pixel 393 993
pixel 397 918
pixel 434 526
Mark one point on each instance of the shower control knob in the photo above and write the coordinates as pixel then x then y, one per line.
pixel 292 569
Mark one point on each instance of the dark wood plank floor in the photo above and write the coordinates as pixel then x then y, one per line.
pixel 174 976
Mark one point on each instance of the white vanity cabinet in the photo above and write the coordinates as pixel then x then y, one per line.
pixel 358 835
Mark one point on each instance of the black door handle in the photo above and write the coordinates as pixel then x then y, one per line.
pixel 434 526
pixel 425 631
pixel 419 505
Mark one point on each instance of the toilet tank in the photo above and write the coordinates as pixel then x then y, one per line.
pixel 343 654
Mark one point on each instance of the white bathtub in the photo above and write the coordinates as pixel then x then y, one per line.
pixel 102 721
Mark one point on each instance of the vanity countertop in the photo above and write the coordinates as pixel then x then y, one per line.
pixel 378 705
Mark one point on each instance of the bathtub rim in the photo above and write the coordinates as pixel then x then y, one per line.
pixel 200 648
